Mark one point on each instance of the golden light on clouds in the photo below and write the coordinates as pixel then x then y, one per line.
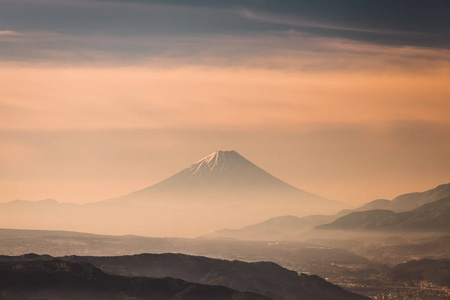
pixel 361 116
pixel 141 97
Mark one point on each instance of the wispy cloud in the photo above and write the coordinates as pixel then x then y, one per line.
pixel 302 21
pixel 8 33
pixel 92 89
pixel 288 50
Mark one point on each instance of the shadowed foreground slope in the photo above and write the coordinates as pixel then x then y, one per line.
pixel 264 278
pixel 431 270
pixel 60 279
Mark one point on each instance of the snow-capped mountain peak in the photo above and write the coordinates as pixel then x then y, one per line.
pixel 217 162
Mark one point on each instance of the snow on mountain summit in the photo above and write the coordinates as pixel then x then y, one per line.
pixel 224 168
pixel 215 162
pixel 227 179
pixel 220 162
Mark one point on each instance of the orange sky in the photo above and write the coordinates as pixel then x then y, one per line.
pixel 376 128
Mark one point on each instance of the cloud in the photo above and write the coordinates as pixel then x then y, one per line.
pixel 217 96
pixel 117 89
pixel 8 33
pixel 290 49
pixel 129 29
pixel 302 22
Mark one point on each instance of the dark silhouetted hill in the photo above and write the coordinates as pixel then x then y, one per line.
pixel 413 272
pixel 62 279
pixel 265 278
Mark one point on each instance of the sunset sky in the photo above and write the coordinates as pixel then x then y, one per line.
pixel 347 99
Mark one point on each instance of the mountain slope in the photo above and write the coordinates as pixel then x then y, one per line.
pixel 60 279
pixel 227 179
pixel 265 278
pixel 375 204
pixel 220 169
pixel 412 272
pixel 222 173
pixel 409 201
pixel 222 190
pixel 278 228
pixel 434 216
pixel 289 227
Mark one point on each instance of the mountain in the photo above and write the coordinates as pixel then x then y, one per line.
pixel 61 279
pixel 223 170
pixel 410 201
pixel 265 278
pixel 222 190
pixel 430 270
pixel 278 228
pixel 434 216
pixel 375 204
pixel 226 176
pixel 291 227
pixel 309 258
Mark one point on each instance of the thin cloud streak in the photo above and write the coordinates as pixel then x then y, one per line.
pixel 277 50
pixel 241 19
pixel 303 22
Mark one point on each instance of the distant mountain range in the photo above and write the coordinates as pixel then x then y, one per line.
pixel 291 227
pixel 410 201
pixel 264 278
pixel 278 228
pixel 433 216
pixel 221 190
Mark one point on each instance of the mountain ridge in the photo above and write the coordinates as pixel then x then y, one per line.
pixel 49 278
pixel 223 189
pixel 277 228
pixel 433 216
pixel 260 278
pixel 409 201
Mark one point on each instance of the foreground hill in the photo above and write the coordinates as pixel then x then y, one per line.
pixel 263 278
pixel 410 201
pixel 434 216
pixel 430 270
pixel 302 257
pixel 61 279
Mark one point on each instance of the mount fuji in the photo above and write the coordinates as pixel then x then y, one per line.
pixel 222 190
pixel 227 178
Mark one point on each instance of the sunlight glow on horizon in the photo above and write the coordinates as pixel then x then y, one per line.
pixel 334 103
